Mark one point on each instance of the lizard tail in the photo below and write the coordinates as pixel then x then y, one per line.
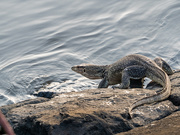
pixel 165 93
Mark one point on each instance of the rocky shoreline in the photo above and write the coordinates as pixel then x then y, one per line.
pixel 97 112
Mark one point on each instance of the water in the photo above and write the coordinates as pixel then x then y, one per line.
pixel 41 40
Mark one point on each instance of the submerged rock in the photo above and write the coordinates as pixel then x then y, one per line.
pixel 90 112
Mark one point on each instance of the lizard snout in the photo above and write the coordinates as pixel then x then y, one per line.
pixel 74 68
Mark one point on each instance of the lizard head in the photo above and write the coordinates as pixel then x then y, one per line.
pixel 90 71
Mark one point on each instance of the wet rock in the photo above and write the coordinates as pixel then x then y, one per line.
pixel 46 94
pixel 89 112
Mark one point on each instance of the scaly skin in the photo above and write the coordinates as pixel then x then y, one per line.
pixel 133 66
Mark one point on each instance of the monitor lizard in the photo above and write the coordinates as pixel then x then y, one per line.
pixel 134 66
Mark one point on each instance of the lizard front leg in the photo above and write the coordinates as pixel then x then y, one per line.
pixel 131 72
pixel 104 83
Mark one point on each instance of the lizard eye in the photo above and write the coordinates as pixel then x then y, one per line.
pixel 84 70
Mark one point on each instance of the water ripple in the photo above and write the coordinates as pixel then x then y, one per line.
pixel 40 41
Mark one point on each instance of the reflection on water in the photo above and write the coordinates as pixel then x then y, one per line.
pixel 40 41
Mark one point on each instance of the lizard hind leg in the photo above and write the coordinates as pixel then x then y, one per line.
pixel 131 72
pixel 164 65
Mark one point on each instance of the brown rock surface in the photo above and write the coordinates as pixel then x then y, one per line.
pixel 167 126
pixel 90 112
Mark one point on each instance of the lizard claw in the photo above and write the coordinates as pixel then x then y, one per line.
pixel 114 87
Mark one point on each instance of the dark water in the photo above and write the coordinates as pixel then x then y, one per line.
pixel 41 40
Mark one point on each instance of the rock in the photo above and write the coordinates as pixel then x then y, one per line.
pixel 167 126
pixel 7 108
pixel 46 94
pixel 90 112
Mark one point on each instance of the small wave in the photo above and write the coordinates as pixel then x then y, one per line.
pixel 67 86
